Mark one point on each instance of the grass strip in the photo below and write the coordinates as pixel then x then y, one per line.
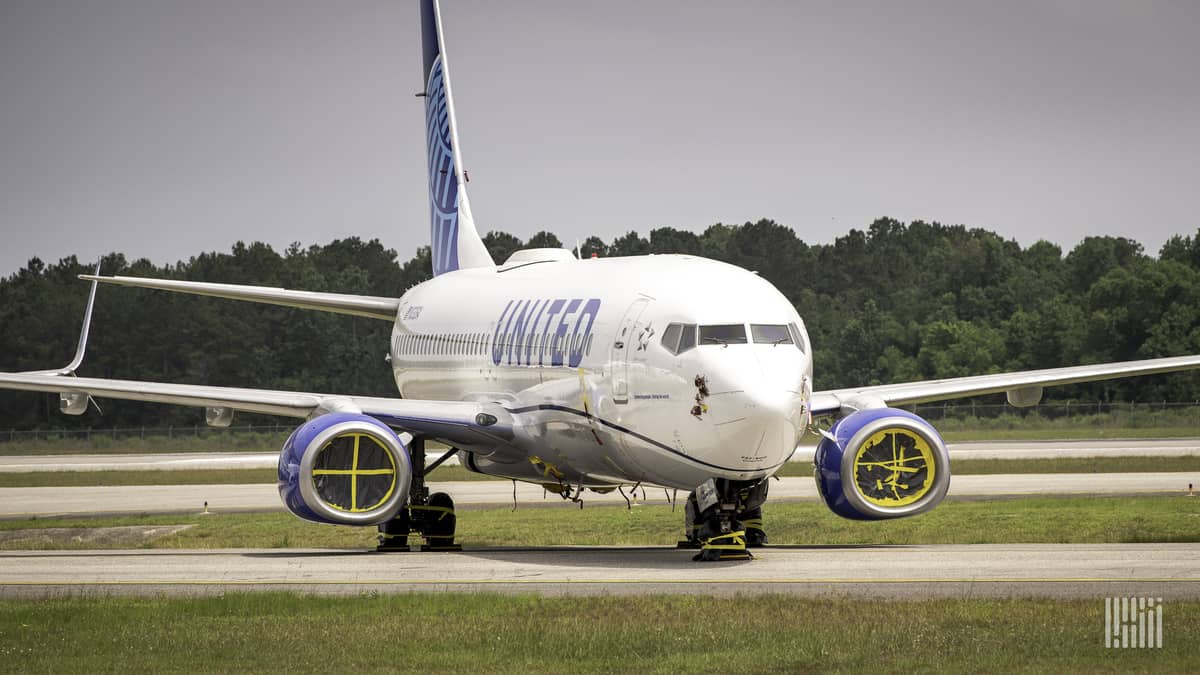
pixel 1026 520
pixel 280 632
pixel 182 477
pixel 965 467
pixel 1072 433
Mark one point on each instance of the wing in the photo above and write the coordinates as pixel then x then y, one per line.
pixel 1023 388
pixel 358 305
pixel 460 423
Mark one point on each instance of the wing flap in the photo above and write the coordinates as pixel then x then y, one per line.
pixel 369 306
pixel 843 400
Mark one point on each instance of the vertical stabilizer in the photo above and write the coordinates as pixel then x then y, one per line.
pixel 455 241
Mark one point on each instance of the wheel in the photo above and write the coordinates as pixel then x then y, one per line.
pixel 691 524
pixel 753 521
pixel 438 523
pixel 393 535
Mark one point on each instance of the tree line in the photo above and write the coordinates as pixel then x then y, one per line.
pixel 890 303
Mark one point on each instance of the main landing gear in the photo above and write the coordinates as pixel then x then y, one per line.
pixel 430 515
pixel 723 519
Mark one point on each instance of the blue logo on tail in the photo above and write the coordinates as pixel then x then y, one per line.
pixel 443 179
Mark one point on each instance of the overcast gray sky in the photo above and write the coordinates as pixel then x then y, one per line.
pixel 163 128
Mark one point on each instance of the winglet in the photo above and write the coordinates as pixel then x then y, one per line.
pixel 81 349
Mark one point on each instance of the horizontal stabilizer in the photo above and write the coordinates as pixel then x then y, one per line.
pixel 339 303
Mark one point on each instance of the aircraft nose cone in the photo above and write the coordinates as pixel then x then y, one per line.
pixel 782 367
pixel 766 429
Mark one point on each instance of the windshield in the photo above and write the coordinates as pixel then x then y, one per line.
pixel 679 337
pixel 770 334
pixel 723 334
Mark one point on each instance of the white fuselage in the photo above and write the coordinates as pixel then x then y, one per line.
pixel 574 349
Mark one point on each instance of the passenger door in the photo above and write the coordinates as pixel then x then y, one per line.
pixel 622 343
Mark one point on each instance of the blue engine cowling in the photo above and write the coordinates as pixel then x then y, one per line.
pixel 344 469
pixel 882 463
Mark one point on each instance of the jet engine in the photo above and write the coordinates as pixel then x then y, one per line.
pixel 344 469
pixel 882 463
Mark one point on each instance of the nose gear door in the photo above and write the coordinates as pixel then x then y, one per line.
pixel 622 343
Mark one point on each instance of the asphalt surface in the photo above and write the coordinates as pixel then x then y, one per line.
pixel 52 501
pixel 1174 447
pixel 1093 571
pixel 908 572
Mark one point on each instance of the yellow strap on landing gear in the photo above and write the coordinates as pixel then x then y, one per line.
pixel 444 509
pixel 756 523
pixel 738 538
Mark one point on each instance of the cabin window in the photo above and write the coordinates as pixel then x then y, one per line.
pixel 723 334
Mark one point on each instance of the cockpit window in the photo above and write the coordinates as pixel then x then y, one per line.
pixel 723 334
pixel 797 337
pixel 679 337
pixel 687 338
pixel 670 339
pixel 770 334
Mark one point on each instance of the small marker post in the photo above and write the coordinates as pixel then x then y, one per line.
pixel 1191 490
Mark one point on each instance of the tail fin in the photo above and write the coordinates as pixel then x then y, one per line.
pixel 455 242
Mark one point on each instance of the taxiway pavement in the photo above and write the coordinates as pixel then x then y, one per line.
pixel 54 501
pixel 1171 447
pixel 960 571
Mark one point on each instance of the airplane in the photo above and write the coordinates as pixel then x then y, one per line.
pixel 578 375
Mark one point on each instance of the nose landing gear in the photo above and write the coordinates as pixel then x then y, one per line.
pixel 723 519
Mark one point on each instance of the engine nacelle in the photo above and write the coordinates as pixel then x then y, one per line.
pixel 344 469
pixel 885 463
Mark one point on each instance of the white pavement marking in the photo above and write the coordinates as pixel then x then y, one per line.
pixel 155 462
pixel 46 501
pixel 988 570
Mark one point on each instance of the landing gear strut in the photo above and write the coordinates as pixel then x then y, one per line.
pixel 730 523
pixel 430 515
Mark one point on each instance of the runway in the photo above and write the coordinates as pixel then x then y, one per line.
pixel 975 571
pixel 1172 447
pixel 912 572
pixel 52 501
